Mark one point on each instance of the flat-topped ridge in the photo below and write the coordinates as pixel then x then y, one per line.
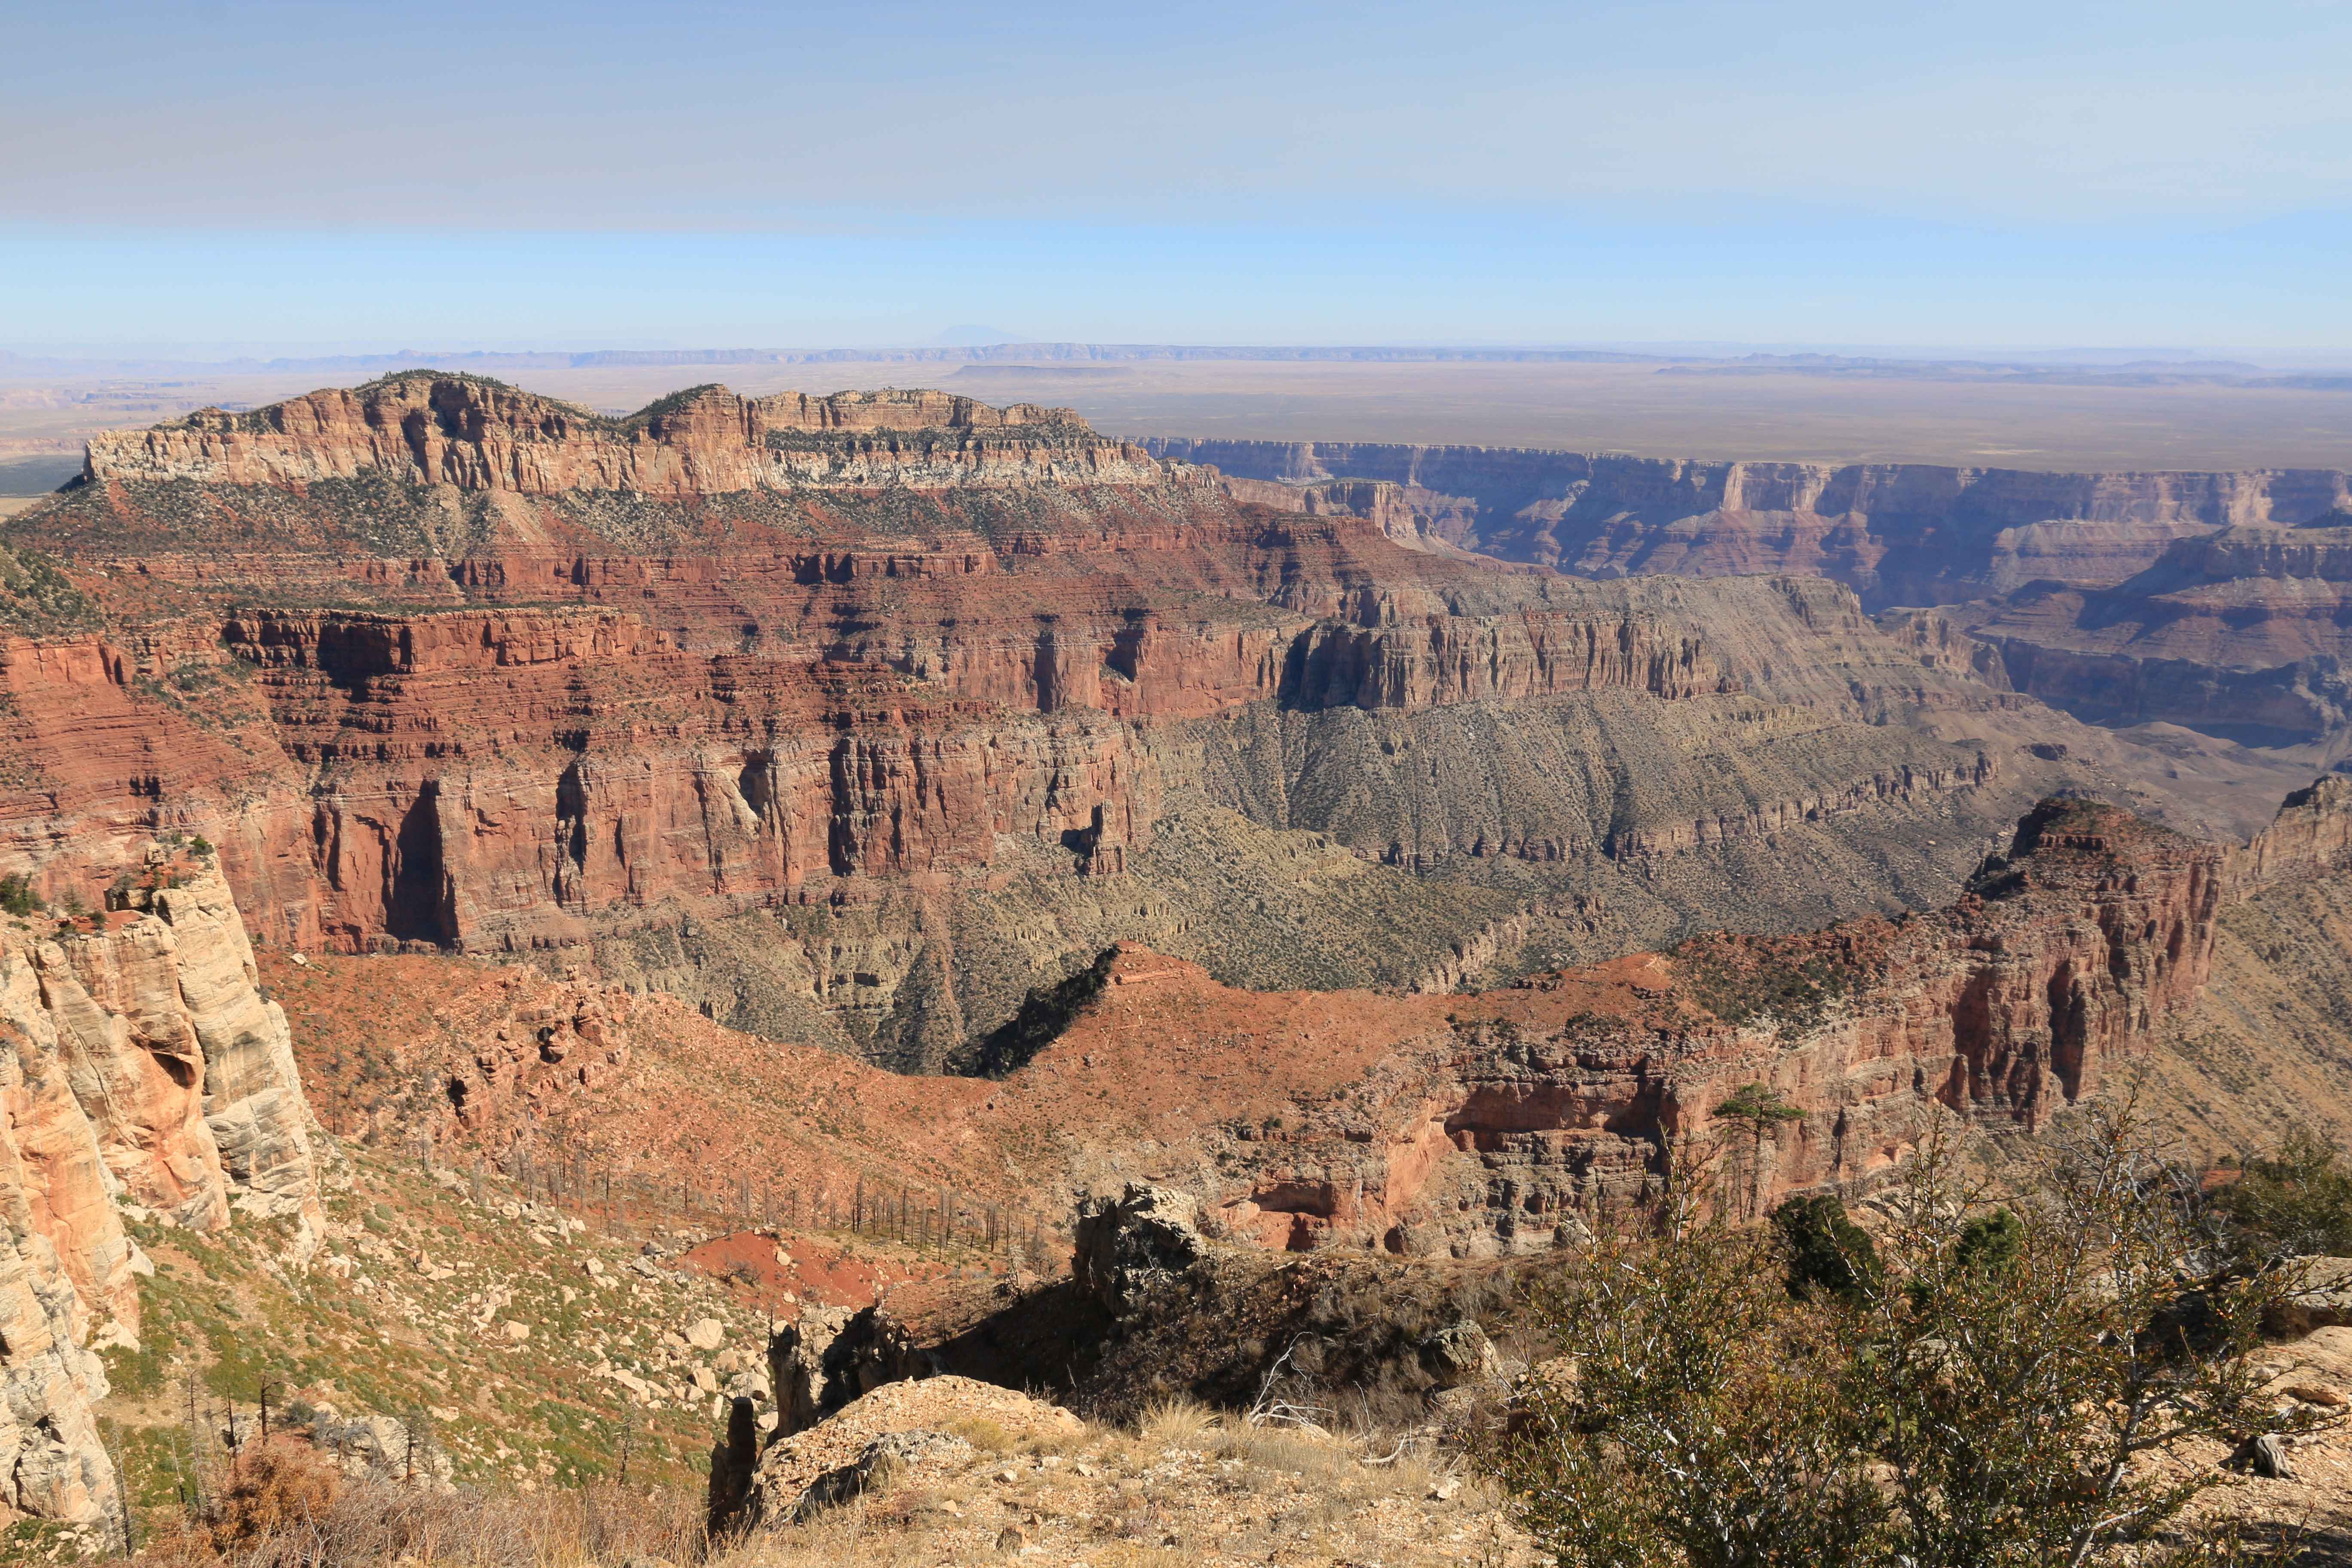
pixel 477 434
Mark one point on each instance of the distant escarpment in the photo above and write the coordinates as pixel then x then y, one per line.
pixel 1901 534
pixel 857 731
pixel 143 1072
pixel 477 434
pixel 2246 633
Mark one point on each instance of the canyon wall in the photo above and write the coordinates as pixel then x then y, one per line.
pixel 437 663
pixel 477 434
pixel 2240 632
pixel 1525 1109
pixel 143 1072
pixel 1896 533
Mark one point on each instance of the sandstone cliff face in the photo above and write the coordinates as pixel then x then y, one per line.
pixel 477 434
pixel 1896 533
pixel 140 1064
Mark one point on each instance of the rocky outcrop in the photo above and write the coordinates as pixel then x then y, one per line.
pixel 1941 643
pixel 1414 516
pixel 1498 1120
pixel 1896 533
pixel 142 1066
pixel 253 1101
pixel 2311 839
pixel 1126 1248
pixel 1451 659
pixel 828 1464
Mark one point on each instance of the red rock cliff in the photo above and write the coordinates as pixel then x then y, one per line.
pixel 1530 1106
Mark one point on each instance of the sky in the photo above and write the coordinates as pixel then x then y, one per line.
pixel 362 178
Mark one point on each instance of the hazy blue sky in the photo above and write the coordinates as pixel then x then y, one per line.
pixel 505 174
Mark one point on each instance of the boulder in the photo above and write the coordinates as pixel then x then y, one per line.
pixel 1460 1355
pixel 1129 1246
pixel 889 1451
pixel 380 1446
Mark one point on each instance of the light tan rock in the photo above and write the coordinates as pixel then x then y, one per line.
pixel 136 1066
pixel 62 1252
pixel 252 1088
pixel 139 1068
pixel 795 1463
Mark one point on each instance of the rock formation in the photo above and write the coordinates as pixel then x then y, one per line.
pixel 479 435
pixel 1579 1091
pixel 855 720
pixel 2240 632
pixel 1905 534
pixel 143 1067
pixel 1124 1247
pixel 1484 1123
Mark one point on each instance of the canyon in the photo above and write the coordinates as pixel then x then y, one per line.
pixel 1474 1124
pixel 1909 533
pixel 856 721
pixel 2207 601
pixel 888 804
pixel 2237 632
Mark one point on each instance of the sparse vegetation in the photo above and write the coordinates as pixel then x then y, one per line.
pixel 16 895
pixel 1743 982
pixel 37 597
pixel 1995 1385
pixel 2297 1199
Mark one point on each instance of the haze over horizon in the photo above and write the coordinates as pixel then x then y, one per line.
pixel 331 178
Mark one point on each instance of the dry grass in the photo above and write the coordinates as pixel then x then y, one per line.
pixel 988 1437
pixel 1176 1423
pixel 373 1522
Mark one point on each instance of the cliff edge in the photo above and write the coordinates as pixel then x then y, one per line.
pixel 140 1067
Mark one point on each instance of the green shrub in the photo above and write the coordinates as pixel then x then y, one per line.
pixel 2025 1389
pixel 17 894
pixel 1827 1252
pixel 1991 1242
pixel 2298 1200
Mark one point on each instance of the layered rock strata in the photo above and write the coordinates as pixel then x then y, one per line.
pixel 1897 533
pixel 141 1066
pixel 440 664
pixel 2240 634
pixel 479 435
pixel 1490 1122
